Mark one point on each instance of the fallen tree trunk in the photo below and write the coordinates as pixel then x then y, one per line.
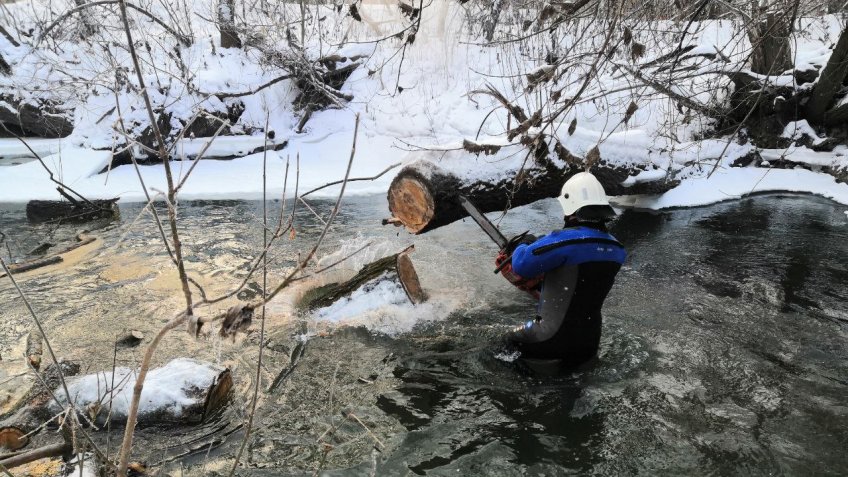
pixel 423 196
pixel 36 263
pixel 52 450
pixel 73 212
pixel 42 119
pixel 398 266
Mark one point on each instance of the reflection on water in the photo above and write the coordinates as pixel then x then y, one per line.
pixel 723 349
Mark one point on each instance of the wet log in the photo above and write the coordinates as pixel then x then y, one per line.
pixel 397 266
pixel 36 263
pixel 52 450
pixel 423 196
pixel 71 212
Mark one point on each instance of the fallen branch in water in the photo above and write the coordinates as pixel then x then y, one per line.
pixel 52 450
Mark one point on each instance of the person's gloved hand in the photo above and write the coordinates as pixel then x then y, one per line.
pixel 514 242
pixel 529 285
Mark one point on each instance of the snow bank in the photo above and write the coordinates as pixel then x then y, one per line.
pixel 418 105
pixel 735 183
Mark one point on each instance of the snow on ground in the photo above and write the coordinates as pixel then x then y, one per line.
pixel 429 119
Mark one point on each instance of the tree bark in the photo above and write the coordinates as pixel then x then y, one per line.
pixel 772 53
pixel 398 266
pixel 830 82
pixel 41 119
pixel 423 196
pixel 491 23
pixel 227 24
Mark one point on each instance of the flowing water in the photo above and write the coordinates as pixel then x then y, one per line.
pixel 725 345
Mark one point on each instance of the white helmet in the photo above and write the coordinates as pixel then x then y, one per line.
pixel 584 196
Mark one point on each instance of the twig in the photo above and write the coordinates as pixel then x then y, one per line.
pixel 182 38
pixel 353 180
pixel 251 92
pixel 258 377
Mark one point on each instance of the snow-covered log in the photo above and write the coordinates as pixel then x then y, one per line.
pixel 34 118
pixel 183 391
pixel 423 196
pixel 394 267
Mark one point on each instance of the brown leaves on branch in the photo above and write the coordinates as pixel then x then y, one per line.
pixel 238 318
pixel 477 148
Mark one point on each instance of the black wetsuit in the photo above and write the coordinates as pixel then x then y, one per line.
pixel 580 265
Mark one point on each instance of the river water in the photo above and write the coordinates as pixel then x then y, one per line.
pixel 725 345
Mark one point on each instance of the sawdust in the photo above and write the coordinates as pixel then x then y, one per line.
pixel 40 468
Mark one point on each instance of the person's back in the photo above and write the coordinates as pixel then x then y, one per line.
pixel 572 272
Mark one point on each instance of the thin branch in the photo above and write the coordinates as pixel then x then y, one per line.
pixel 182 38
pixel 353 180
pixel 258 378
pixel 251 92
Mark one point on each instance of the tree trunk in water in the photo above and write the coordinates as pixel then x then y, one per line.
pixel 772 53
pixel 423 197
pixel 398 266
pixel 830 82
pixel 227 24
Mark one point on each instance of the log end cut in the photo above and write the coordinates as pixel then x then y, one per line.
pixel 218 395
pixel 409 279
pixel 411 202
pixel 12 438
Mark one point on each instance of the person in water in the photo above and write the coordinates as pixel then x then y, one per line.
pixel 570 272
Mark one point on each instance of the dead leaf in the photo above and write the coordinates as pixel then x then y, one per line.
pixel 593 157
pixel 572 127
pixel 630 110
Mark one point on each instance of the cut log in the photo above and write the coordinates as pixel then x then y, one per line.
pixel 71 212
pixel 12 438
pixel 397 266
pixel 184 391
pixel 423 197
